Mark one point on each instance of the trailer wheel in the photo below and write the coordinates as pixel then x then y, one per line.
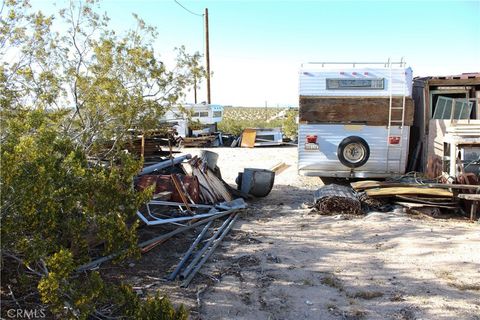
pixel 353 152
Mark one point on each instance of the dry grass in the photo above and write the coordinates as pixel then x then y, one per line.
pixel 332 281
pixel 465 286
pixel 367 295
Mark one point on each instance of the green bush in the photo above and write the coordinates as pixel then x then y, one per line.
pixel 66 197
pixel 54 202
pixel 236 119
pixel 290 125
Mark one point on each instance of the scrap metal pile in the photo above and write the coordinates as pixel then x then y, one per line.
pixel 189 192
pixel 417 197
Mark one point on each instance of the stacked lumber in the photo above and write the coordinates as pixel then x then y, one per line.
pixel 415 197
pixel 204 141
pixel 153 148
pixel 212 187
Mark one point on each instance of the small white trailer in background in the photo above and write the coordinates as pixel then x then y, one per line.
pixel 354 119
pixel 206 114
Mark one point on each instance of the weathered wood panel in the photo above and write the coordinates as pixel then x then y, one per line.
pixel 365 110
pixel 390 192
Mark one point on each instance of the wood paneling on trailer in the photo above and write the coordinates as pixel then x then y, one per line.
pixel 365 110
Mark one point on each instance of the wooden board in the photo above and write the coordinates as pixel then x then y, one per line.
pixel 390 192
pixel 248 138
pixel 367 184
pixel 433 201
pixel 411 205
pixel 279 168
pixel 471 197
pixel 365 110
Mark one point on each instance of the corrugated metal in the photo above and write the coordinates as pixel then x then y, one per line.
pixel 324 162
pixel 313 81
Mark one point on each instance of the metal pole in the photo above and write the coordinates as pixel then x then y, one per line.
pixel 187 254
pixel 164 164
pixel 207 56
pixel 200 253
pixel 98 261
pixel 209 253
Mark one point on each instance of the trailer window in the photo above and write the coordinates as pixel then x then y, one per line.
pixel 201 114
pixel 217 114
pixel 348 84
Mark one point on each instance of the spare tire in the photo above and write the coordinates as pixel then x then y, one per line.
pixel 353 152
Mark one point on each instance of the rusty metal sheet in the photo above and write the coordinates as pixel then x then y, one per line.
pixel 165 183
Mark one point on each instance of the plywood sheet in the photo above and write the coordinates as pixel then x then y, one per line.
pixel 366 110
pixel 411 205
pixel 386 192
pixel 248 138
pixel 367 184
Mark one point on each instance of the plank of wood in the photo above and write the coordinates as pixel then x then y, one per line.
pixel 368 110
pixel 218 185
pixel 472 197
pixel 279 168
pixel 411 205
pixel 370 184
pixel 379 192
pixel 248 138
pixel 366 184
pixel 432 201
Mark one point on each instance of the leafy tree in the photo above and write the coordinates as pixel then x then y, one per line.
pixel 64 97
pixel 290 126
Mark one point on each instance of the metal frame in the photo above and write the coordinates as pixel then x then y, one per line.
pixel 389 63
pixel 449 91
pixel 327 80
pixel 214 210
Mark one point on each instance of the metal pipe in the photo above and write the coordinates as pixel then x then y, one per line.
pixel 98 261
pixel 187 281
pixel 354 63
pixel 159 221
pixel 164 164
pixel 200 253
pixel 176 204
pixel 187 254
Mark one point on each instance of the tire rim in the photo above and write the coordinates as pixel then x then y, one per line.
pixel 354 152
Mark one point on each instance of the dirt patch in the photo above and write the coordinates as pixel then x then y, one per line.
pixel 280 262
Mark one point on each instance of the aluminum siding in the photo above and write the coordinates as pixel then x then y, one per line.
pixel 330 136
pixel 313 81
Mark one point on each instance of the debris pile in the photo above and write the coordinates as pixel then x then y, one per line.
pixel 200 141
pixel 187 192
pixel 154 145
pixel 417 197
pixel 335 198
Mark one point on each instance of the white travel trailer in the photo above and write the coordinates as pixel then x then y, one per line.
pixel 354 119
pixel 207 114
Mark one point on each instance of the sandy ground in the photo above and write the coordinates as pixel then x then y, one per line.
pixel 283 262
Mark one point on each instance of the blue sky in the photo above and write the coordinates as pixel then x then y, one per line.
pixel 256 47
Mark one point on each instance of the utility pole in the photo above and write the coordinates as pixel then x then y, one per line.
pixel 195 88
pixel 265 110
pixel 207 56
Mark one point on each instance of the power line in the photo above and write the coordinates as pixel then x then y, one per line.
pixel 196 14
